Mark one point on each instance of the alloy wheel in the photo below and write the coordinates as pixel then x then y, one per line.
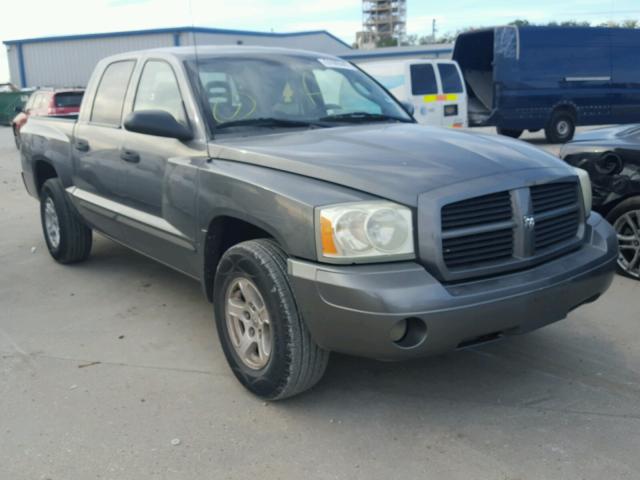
pixel 627 227
pixel 51 223
pixel 248 323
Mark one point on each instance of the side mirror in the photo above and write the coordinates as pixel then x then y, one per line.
pixel 158 123
pixel 408 106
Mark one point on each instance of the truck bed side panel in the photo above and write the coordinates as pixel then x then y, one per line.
pixel 46 140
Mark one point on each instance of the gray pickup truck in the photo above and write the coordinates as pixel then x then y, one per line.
pixel 316 213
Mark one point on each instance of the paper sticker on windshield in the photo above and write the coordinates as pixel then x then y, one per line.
pixel 336 63
pixel 287 93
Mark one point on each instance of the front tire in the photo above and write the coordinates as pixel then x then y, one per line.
pixel 625 219
pixel 263 336
pixel 508 132
pixel 68 238
pixel 561 127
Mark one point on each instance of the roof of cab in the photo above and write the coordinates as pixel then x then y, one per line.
pixel 204 51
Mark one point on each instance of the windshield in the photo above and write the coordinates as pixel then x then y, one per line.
pixel 244 90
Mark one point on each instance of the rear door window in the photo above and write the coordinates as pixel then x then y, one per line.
pixel 423 79
pixel 107 105
pixel 68 99
pixel 450 78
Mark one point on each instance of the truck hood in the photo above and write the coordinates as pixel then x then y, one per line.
pixel 393 161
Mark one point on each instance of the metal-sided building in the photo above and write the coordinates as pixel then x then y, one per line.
pixel 68 61
pixel 443 50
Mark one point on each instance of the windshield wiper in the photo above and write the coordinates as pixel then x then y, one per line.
pixel 269 122
pixel 363 117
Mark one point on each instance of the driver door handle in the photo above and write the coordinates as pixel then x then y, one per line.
pixel 129 155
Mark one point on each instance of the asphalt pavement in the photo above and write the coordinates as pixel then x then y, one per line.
pixel 111 369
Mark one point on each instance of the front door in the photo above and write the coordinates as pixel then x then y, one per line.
pixel 159 176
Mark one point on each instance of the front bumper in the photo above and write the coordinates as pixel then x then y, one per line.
pixel 353 309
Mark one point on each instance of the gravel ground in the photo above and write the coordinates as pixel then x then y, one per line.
pixel 111 369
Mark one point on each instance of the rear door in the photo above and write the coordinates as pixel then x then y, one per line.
pixel 97 140
pixel 424 92
pixel 454 96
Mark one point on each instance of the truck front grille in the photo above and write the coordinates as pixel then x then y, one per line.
pixel 474 230
pixel 479 248
pixel 477 211
pixel 555 230
pixel 552 196
pixel 510 228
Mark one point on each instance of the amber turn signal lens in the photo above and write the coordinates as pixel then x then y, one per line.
pixel 326 235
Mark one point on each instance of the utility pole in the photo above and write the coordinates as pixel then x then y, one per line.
pixel 433 30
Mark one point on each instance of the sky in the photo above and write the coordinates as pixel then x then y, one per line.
pixel 36 18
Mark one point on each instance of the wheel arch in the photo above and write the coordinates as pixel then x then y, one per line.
pixel 226 230
pixel 565 106
pixel 607 208
pixel 43 170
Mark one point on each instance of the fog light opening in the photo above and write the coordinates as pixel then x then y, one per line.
pixel 398 331
pixel 408 333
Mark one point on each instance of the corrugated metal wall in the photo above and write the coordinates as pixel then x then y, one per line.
pixel 316 42
pixel 66 63
pixel 70 62
pixel 14 66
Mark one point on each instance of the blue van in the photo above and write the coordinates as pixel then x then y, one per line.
pixel 551 78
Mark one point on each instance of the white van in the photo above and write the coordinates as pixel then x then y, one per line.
pixel 435 88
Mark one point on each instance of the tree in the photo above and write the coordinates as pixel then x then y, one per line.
pixel 387 42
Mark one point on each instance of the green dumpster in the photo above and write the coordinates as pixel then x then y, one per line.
pixel 9 101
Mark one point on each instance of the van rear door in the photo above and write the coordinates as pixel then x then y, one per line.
pixel 453 95
pixel 424 92
pixel 437 93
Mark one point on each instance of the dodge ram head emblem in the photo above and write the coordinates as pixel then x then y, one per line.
pixel 529 222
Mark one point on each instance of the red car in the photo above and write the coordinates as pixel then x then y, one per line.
pixel 47 102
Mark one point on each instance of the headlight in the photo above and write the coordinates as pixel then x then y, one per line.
pixel 585 186
pixel 364 231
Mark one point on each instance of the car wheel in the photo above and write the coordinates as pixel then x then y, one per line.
pixel 560 128
pixel 263 335
pixel 68 238
pixel 625 219
pixel 507 132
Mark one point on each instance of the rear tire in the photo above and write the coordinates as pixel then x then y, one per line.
pixel 561 127
pixel 293 362
pixel 625 219
pixel 68 238
pixel 507 132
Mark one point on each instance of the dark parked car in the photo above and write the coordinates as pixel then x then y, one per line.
pixel 612 158
pixel 551 78
pixel 315 212
pixel 47 102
